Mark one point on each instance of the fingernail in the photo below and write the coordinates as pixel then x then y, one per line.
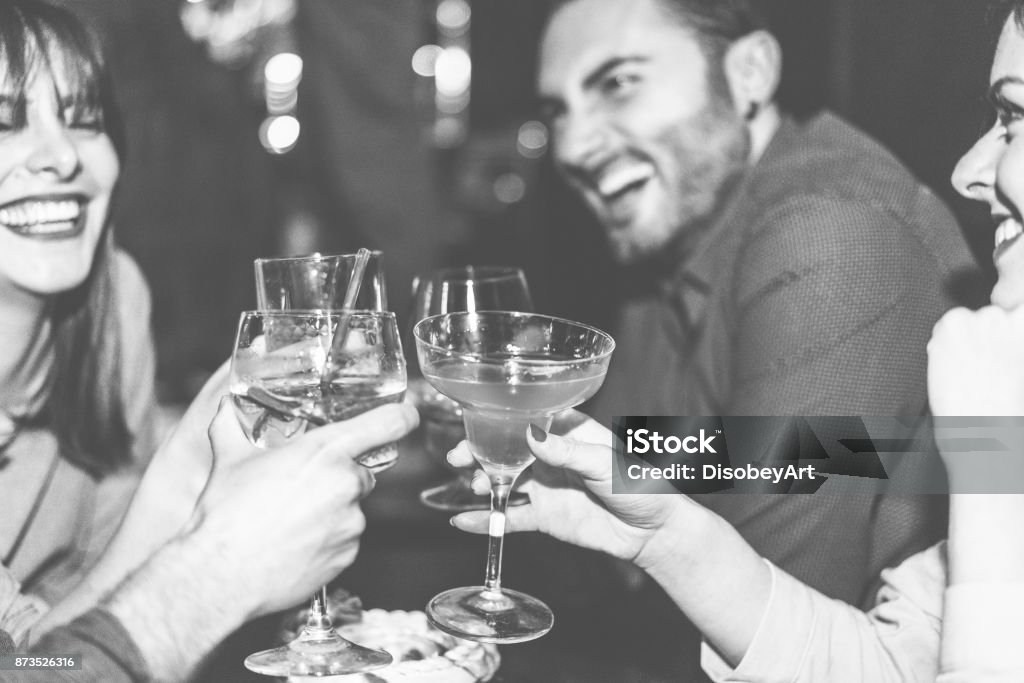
pixel 451 520
pixel 448 456
pixel 538 433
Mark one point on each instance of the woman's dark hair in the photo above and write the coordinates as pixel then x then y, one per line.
pixel 1001 10
pixel 85 406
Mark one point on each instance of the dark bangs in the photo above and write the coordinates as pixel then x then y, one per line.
pixel 38 36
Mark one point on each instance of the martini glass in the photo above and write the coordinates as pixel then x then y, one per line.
pixel 449 290
pixel 280 385
pixel 507 370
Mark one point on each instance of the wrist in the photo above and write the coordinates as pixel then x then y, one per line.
pixel 674 543
pixel 178 606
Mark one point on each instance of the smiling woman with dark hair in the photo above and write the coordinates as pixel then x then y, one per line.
pixel 76 372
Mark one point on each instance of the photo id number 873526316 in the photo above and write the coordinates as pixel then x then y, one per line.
pixel 23 662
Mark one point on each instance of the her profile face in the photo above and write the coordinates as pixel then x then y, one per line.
pixel 58 168
pixel 993 170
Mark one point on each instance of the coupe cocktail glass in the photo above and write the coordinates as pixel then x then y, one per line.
pixel 507 370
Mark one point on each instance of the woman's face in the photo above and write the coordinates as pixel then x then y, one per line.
pixel 57 172
pixel 993 170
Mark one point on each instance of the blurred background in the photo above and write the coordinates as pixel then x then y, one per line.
pixel 277 127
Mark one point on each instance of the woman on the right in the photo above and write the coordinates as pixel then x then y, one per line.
pixel 954 612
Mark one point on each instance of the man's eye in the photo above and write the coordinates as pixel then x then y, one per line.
pixel 620 83
pixel 549 112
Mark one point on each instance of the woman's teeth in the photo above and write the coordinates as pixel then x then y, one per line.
pixel 1007 230
pixel 38 216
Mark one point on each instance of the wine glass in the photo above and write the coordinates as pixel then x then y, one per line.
pixel 281 384
pixel 466 288
pixel 318 282
pixel 507 370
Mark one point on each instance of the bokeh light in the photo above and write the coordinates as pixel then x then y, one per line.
pixel 453 72
pixel 509 188
pixel 532 139
pixel 424 60
pixel 278 134
pixel 283 69
pixel 453 15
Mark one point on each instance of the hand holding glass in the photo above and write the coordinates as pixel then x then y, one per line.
pixel 507 370
pixel 279 360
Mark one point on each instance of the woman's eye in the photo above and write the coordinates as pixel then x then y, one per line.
pixel 1010 122
pixel 9 119
pixel 87 123
pixel 83 120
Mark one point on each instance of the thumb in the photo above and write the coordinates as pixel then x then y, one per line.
pixel 226 437
pixel 590 461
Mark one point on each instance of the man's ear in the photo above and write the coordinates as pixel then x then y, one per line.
pixel 753 67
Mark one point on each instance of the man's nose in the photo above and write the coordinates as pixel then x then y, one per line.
pixel 975 174
pixel 54 151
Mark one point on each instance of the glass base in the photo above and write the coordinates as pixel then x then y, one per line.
pixel 323 653
pixel 458 496
pixel 490 616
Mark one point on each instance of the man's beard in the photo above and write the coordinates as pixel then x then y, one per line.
pixel 712 152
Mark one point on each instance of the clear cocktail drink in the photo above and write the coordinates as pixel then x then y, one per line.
pixel 502 395
pixel 303 398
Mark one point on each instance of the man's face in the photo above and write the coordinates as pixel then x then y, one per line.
pixel 993 170
pixel 637 129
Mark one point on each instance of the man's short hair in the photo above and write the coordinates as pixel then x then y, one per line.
pixel 715 23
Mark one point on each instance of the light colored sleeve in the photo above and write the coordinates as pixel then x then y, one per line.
pixel 984 633
pixel 805 636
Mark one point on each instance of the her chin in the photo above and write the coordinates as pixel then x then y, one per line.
pixel 1008 293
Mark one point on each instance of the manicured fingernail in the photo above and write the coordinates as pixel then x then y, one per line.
pixel 538 433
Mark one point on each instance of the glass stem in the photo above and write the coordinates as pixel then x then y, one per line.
pixel 319 623
pixel 499 502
